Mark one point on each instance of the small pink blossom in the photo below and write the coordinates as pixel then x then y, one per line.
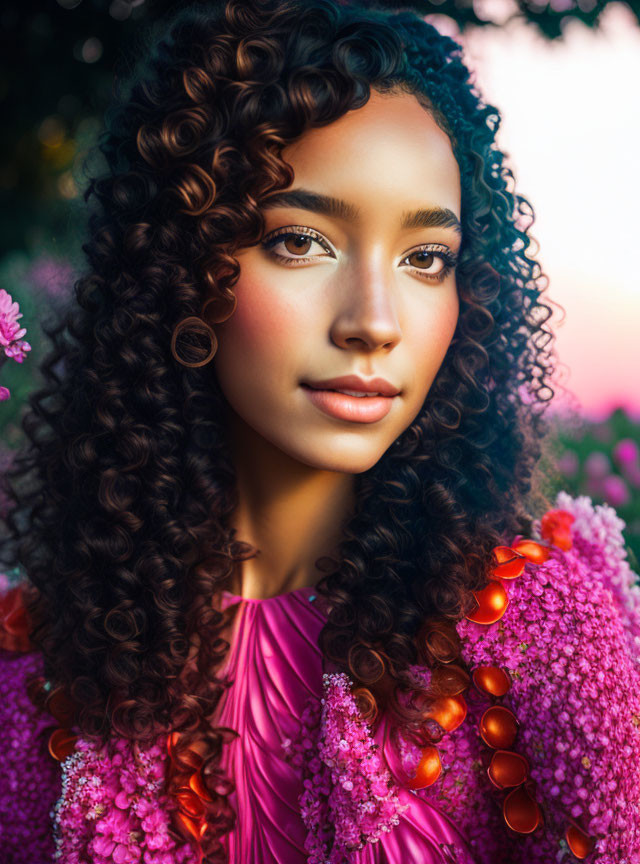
pixel 17 350
pixel 11 332
pixel 626 452
pixel 615 491
pixel 349 800
pixel 114 807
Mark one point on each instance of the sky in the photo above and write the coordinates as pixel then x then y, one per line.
pixel 571 130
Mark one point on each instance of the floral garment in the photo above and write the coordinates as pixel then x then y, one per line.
pixel 328 790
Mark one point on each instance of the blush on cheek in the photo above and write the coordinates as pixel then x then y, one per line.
pixel 261 321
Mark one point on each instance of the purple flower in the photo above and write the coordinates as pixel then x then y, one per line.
pixel 17 350
pixel 575 692
pixel 597 465
pixel 11 332
pixel 5 394
pixel 50 275
pixel 615 491
pixel 626 452
pixel 114 808
pixel 349 798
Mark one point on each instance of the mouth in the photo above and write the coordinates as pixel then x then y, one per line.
pixel 357 393
pixel 355 406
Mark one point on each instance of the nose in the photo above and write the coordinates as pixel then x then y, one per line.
pixel 366 319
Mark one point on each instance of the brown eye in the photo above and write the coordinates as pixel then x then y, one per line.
pixel 423 260
pixel 297 244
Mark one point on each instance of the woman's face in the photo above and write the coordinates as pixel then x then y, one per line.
pixel 354 277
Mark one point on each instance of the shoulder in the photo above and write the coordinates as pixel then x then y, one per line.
pixel 29 776
pixel 584 589
pixel 569 641
pixel 64 792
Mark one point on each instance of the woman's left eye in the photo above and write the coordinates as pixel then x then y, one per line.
pixel 427 256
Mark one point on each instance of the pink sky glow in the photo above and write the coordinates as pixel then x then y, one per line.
pixel 571 129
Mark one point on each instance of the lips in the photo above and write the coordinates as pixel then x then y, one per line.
pixel 352 398
pixel 356 385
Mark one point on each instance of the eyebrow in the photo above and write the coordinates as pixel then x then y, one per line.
pixel 304 199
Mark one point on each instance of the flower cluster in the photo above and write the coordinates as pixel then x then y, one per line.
pixel 349 798
pixel 302 752
pixel 575 689
pixel 29 777
pixel 463 790
pixel 113 808
pixel 600 540
pixel 11 334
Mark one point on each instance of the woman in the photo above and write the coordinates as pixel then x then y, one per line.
pixel 286 600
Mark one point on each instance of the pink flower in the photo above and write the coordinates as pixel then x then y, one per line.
pixel 5 394
pixel 615 491
pixel 575 692
pixel 114 808
pixel 10 330
pixel 351 800
pixel 17 350
pixel 626 452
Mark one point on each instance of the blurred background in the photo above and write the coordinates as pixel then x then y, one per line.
pixel 562 73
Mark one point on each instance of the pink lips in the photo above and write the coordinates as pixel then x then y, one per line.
pixel 358 409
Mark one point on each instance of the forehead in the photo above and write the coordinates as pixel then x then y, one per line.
pixel 384 156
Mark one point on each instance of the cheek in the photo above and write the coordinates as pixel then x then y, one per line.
pixel 260 327
pixel 431 335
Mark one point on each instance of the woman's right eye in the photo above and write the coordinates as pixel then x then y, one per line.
pixel 296 245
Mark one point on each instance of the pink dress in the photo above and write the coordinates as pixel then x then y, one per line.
pixel 276 666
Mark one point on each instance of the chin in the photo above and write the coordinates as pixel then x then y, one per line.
pixel 354 459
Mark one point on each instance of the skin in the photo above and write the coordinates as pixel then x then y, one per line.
pixel 361 307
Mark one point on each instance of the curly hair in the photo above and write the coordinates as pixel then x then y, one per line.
pixel 124 531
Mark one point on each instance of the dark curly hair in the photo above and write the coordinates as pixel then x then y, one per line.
pixel 124 530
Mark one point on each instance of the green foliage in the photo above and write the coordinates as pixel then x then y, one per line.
pixel 600 459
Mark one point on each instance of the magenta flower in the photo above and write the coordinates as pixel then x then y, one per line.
pixel 5 394
pixel 350 798
pixel 114 807
pixel 615 490
pixel 10 330
pixel 626 453
pixel 17 350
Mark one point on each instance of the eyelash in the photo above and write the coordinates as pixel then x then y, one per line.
pixel 449 259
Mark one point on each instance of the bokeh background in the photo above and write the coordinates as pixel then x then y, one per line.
pixel 564 75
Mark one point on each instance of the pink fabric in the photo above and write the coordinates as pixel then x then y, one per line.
pixel 276 665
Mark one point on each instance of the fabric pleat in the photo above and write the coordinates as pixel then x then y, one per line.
pixel 275 664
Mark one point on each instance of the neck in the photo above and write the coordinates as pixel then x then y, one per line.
pixel 291 512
